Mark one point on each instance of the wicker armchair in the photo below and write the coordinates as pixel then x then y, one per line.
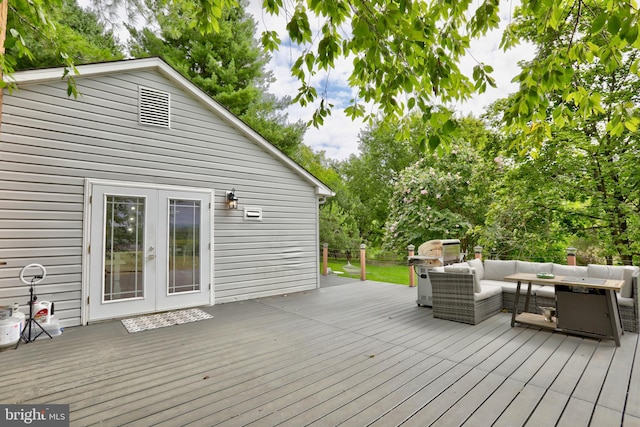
pixel 454 298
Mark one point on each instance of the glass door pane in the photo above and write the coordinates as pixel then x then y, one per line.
pixel 124 248
pixel 184 246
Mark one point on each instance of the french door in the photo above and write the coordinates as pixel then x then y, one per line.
pixel 149 250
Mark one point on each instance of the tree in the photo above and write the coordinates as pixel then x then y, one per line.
pixel 78 33
pixel 440 197
pixel 528 216
pixel 228 65
pixel 338 224
pixel 338 229
pixel 25 17
pixel 370 175
pixel 596 191
pixel 406 54
pixel 572 39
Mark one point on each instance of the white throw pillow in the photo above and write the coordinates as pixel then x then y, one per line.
pixel 476 264
pixel 570 270
pixel 615 272
pixel 497 269
pixel 533 267
pixel 629 272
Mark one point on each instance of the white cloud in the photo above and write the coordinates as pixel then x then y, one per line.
pixel 338 137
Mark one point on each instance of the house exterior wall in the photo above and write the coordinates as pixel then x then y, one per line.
pixel 50 143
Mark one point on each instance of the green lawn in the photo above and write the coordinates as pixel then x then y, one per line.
pixel 391 273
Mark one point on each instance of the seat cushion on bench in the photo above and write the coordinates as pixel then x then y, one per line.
pixel 487 291
pixel 546 292
pixel 510 287
pixel 627 302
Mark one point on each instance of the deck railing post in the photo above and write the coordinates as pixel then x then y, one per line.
pixel 363 262
pixel 571 256
pixel 325 258
pixel 478 252
pixel 411 249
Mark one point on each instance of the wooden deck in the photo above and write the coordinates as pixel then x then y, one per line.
pixel 358 354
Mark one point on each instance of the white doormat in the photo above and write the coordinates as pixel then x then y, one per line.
pixel 161 320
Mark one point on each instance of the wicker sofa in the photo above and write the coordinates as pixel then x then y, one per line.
pixel 452 284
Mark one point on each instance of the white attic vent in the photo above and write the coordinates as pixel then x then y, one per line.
pixel 153 107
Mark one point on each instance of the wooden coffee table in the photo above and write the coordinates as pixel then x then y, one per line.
pixel 589 305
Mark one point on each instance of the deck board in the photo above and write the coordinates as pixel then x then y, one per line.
pixel 357 354
pixel 495 404
pixel 521 407
pixel 550 407
pixel 576 413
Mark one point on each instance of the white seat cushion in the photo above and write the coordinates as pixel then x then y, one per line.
pixel 546 291
pixel 486 292
pixel 457 268
pixel 628 302
pixel 510 287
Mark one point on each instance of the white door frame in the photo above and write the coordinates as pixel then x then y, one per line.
pixel 87 226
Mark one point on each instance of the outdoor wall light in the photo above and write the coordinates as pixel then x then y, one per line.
pixel 232 200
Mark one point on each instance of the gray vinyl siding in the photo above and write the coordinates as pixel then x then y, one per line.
pixel 50 143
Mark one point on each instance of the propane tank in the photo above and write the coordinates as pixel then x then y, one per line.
pixel 9 331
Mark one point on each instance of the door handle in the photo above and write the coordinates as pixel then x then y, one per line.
pixel 151 257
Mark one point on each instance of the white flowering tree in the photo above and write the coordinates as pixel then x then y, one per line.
pixel 439 197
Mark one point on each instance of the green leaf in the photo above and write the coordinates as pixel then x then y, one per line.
pixel 631 124
pixel 422 142
pixel 449 127
pixel 272 6
pixel 598 23
pixel 360 27
pixel 613 26
pixel 434 142
pixel 632 34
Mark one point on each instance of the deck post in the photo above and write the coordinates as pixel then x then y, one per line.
pixel 325 258
pixel 411 249
pixel 478 252
pixel 571 256
pixel 363 262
